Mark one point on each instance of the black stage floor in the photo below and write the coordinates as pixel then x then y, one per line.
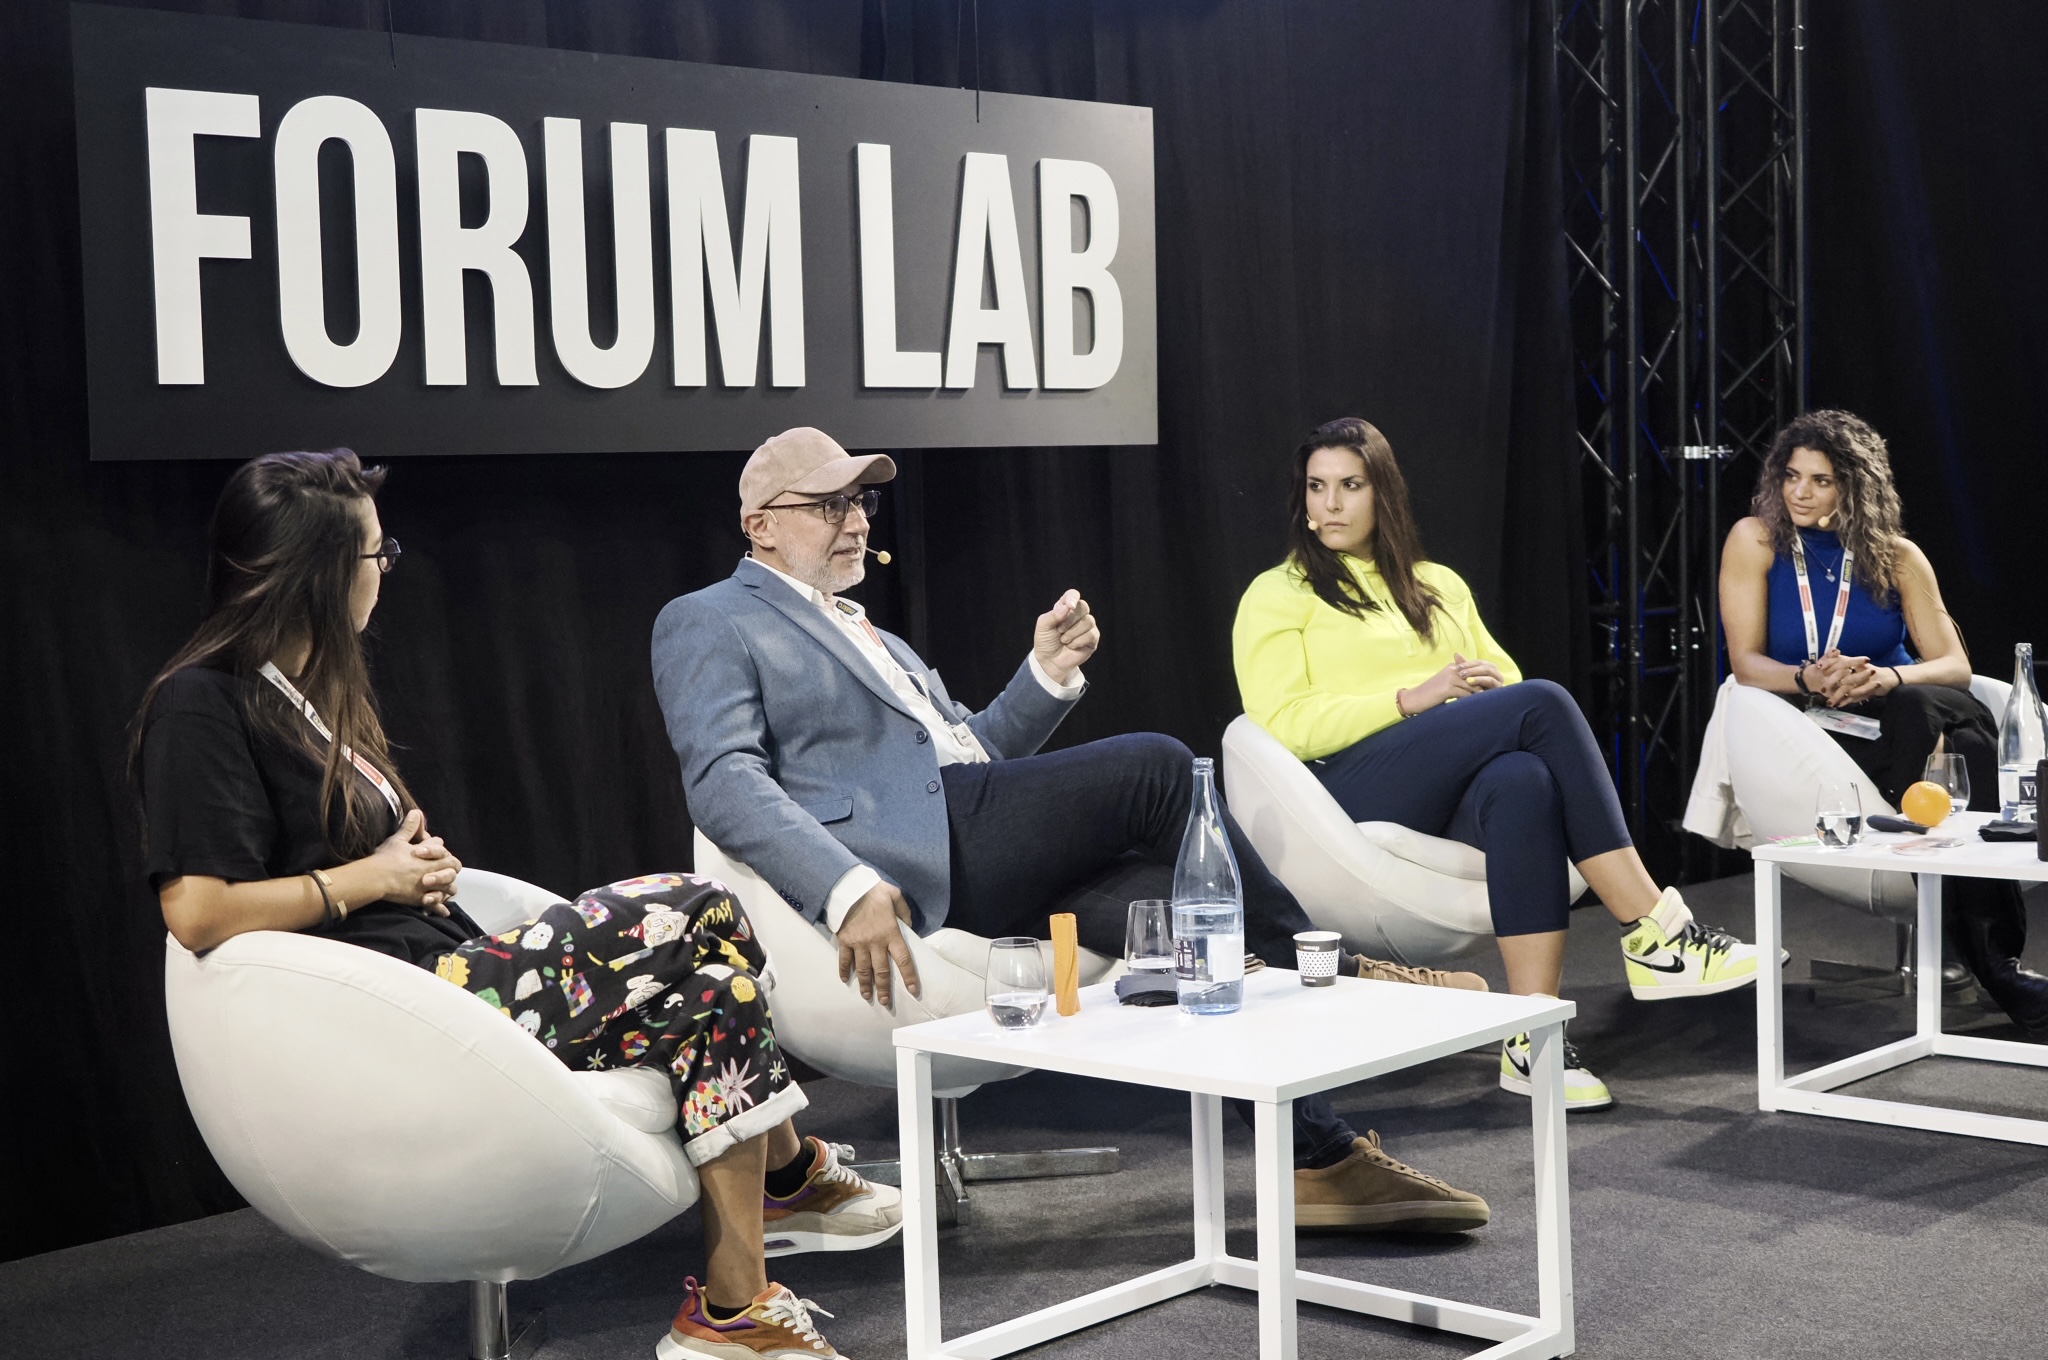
pixel 1701 1227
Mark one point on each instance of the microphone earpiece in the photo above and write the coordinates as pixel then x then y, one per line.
pixel 881 556
pixel 1825 520
pixel 1314 527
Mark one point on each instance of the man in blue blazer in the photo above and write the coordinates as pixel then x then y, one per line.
pixel 827 756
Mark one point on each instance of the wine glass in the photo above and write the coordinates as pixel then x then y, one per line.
pixel 1838 815
pixel 1148 936
pixel 1949 771
pixel 1017 986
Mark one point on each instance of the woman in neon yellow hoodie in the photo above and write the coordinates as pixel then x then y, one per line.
pixel 1370 662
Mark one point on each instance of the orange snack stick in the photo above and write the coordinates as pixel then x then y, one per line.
pixel 1066 964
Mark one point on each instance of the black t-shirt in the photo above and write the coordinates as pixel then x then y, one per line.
pixel 226 799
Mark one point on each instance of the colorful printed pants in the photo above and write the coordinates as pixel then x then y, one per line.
pixel 662 971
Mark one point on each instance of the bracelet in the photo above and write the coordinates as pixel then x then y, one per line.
pixel 1799 678
pixel 326 902
pixel 1897 679
pixel 337 907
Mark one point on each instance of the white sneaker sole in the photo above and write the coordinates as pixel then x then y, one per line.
pixel 778 1242
pixel 1674 991
pixel 668 1348
pixel 1521 1087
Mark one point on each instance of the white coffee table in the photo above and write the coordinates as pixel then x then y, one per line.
pixel 1288 1041
pixel 1814 1092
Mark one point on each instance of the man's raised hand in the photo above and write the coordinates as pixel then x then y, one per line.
pixel 1066 636
pixel 869 939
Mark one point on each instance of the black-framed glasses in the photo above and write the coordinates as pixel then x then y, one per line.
pixel 386 557
pixel 835 508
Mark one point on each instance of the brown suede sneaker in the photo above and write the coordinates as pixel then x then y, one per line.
pixel 1369 1189
pixel 1379 970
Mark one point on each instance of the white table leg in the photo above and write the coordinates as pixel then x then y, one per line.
pixel 1770 986
pixel 1208 1145
pixel 1273 1126
pixel 1927 967
pixel 1553 1184
pixel 920 1203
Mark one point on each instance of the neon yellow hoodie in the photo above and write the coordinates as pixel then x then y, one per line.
pixel 1320 680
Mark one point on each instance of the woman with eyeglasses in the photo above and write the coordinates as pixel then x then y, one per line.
pixel 1370 662
pixel 271 802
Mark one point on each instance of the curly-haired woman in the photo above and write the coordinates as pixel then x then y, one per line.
pixel 1865 631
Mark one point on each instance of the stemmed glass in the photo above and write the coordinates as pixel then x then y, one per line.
pixel 1950 772
pixel 1838 815
pixel 1017 986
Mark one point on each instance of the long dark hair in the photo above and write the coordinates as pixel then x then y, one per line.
pixel 286 549
pixel 1396 542
pixel 1867 517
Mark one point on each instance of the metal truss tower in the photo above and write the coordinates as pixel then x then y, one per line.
pixel 1683 126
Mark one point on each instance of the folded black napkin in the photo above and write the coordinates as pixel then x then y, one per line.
pixel 1147 989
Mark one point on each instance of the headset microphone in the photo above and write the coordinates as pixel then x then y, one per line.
pixel 1314 527
pixel 881 556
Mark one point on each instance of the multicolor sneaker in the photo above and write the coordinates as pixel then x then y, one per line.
pixel 1582 1090
pixel 1671 955
pixel 1379 970
pixel 776 1326
pixel 837 1209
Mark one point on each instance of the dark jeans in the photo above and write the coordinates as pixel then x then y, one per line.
pixel 1512 771
pixel 1089 830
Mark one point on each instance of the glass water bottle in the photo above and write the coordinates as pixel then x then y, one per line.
pixel 1208 908
pixel 2022 742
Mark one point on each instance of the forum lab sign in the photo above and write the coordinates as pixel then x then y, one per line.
pixel 298 237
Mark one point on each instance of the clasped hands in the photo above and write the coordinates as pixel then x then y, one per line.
pixel 1846 680
pixel 1461 678
pixel 418 869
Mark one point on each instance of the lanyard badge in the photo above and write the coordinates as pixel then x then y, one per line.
pixel 364 767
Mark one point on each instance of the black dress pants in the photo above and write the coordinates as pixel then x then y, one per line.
pixel 1912 718
pixel 1089 830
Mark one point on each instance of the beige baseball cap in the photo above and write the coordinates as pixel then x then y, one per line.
pixel 808 462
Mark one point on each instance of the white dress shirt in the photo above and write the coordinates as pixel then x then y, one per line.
pixel 953 743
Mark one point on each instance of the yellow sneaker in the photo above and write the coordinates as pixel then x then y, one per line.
pixel 1671 955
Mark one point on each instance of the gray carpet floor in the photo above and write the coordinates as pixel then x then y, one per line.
pixel 1700 1226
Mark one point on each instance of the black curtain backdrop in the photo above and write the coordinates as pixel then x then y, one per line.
pixel 1357 208
pixel 1930 308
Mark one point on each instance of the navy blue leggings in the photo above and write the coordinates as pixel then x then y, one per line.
pixel 1513 772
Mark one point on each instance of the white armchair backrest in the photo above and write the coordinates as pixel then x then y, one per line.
pixel 1993 694
pixel 1388 890
pixel 381 1115
pixel 825 1022
pixel 498 902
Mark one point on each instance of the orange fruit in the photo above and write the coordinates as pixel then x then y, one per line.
pixel 1926 803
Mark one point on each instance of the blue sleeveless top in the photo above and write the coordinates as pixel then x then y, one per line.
pixel 1875 630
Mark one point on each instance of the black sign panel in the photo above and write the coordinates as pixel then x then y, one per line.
pixel 294 238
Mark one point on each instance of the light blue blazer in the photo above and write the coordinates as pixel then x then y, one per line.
pixel 799 761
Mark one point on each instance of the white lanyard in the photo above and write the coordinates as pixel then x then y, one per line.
pixel 298 701
pixel 1813 648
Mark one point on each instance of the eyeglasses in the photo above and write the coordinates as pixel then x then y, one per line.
pixel 386 557
pixel 835 508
